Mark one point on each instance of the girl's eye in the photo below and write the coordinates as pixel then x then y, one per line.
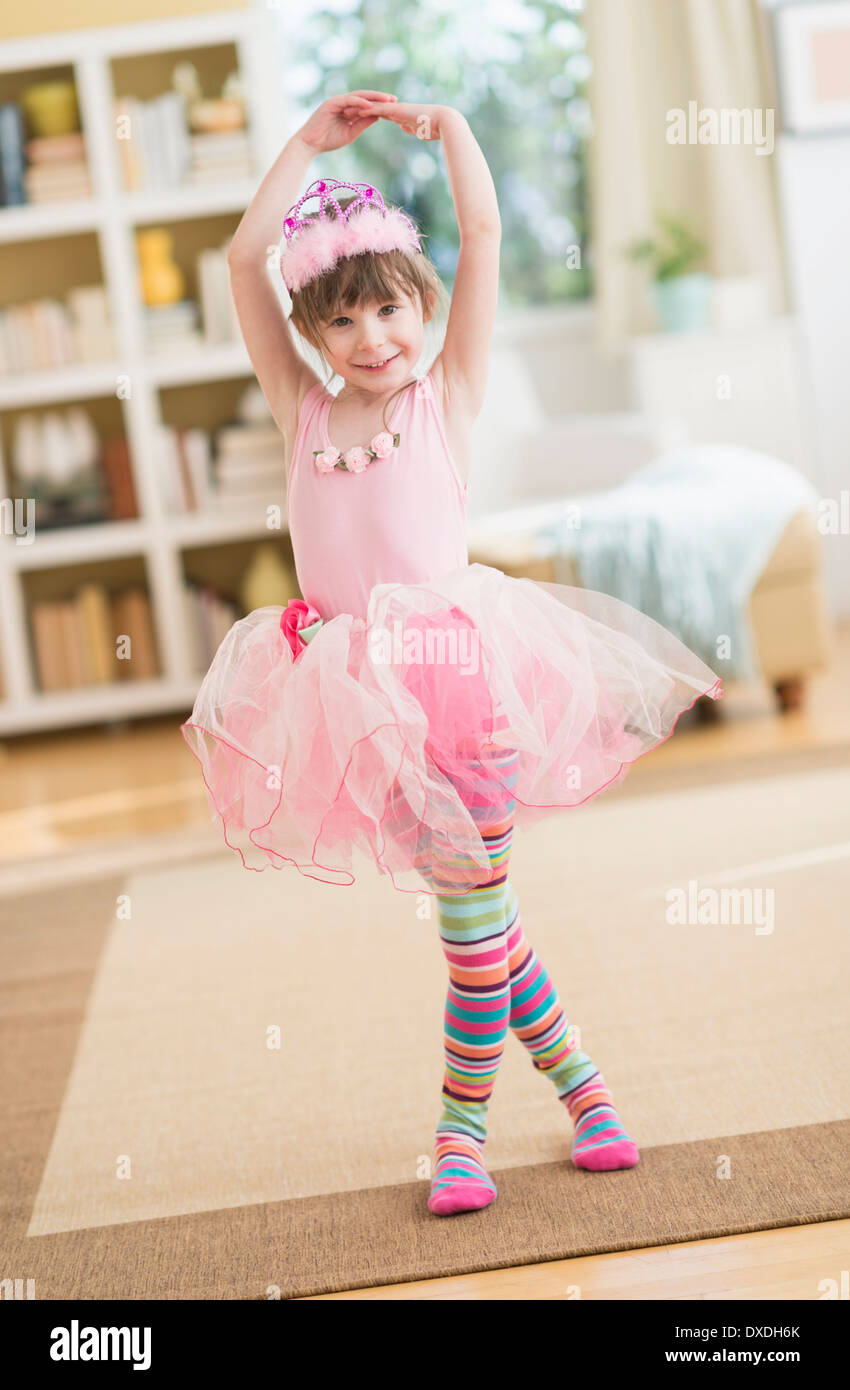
pixel 343 318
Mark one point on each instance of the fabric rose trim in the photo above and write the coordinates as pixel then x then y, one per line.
pixel 299 623
pixel 356 459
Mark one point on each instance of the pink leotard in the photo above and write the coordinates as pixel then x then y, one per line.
pixel 402 520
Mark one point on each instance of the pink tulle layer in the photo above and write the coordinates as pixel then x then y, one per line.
pixel 453 704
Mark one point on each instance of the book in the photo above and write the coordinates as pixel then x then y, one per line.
pixel 63 351
pixel 195 654
pixel 196 443
pixel 49 183
pixel 169 470
pixel 46 632
pixel 74 647
pixel 132 617
pixel 128 139
pixel 147 137
pixel 232 439
pixel 95 621
pixel 214 289
pixel 39 337
pixel 21 346
pixel 252 466
pixel 56 149
pixel 186 487
pixel 12 163
pixel 173 120
pixel 118 475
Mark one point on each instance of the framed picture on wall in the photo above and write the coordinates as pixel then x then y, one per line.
pixel 813 60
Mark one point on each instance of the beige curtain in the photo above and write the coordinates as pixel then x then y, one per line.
pixel 649 57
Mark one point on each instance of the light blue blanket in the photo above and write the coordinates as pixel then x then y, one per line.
pixel 684 540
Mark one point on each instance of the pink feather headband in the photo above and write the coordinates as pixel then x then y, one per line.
pixel 311 246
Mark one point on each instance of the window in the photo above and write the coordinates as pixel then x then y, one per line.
pixel 517 69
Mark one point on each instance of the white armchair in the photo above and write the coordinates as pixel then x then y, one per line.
pixel 527 464
pixel 527 467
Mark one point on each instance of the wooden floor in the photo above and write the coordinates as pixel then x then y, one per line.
pixel 61 793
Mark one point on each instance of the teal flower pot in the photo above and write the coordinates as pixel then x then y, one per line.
pixel 683 304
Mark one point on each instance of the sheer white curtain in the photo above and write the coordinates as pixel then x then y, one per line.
pixel 649 57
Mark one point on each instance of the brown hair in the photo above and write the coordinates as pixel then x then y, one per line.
pixel 367 278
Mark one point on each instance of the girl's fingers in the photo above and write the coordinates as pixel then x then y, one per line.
pixel 364 99
pixel 357 106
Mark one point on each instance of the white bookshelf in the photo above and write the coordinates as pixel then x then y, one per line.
pixel 112 215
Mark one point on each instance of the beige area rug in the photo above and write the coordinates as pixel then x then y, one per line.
pixel 161 1144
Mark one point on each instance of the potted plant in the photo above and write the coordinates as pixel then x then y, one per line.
pixel 681 288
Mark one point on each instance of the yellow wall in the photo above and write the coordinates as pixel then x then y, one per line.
pixel 54 16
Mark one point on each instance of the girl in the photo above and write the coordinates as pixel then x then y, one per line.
pixel 413 706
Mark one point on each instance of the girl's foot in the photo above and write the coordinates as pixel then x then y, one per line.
pixel 460 1182
pixel 600 1143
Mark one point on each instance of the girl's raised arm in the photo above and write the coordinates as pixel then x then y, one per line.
pixel 465 356
pixel 466 350
pixel 280 368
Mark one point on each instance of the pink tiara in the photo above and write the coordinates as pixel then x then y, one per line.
pixel 312 245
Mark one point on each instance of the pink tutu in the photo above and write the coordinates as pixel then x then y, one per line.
pixel 381 733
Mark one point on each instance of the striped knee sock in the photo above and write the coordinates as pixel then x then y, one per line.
pixel 537 1018
pixel 472 934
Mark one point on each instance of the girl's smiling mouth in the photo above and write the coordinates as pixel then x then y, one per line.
pixel 371 367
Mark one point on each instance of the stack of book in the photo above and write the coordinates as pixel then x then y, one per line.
pixel 209 618
pixel 57 169
pixel 91 329
pixel 93 638
pixel 249 465
pixel 45 333
pixel 45 169
pixel 219 157
pixel 172 328
pixel 153 141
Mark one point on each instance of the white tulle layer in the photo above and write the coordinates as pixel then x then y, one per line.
pixel 393 735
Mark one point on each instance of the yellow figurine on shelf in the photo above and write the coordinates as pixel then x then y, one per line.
pixel 162 281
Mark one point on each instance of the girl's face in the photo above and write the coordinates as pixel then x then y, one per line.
pixel 389 333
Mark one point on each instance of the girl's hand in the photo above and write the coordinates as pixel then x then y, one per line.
pixel 339 120
pixel 422 121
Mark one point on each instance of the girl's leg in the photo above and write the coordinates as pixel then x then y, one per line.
pixel 472 934
pixel 537 1018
